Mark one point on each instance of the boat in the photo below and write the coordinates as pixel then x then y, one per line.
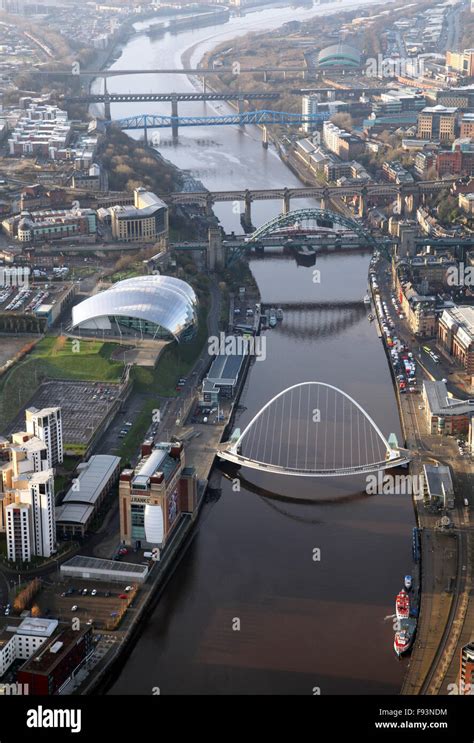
pixel 272 321
pixel 403 641
pixel 402 605
pixel 366 299
pixel 279 314
pixel 408 582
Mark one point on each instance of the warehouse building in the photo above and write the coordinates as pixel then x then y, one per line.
pixel 110 571
pixel 83 500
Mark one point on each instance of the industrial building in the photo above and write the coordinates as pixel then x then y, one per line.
pixel 153 496
pixel 110 571
pixel 438 485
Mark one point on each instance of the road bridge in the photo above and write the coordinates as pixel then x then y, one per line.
pixel 108 98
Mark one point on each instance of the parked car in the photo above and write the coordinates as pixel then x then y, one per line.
pixel 94 592
pixel 74 608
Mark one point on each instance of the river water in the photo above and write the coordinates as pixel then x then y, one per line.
pixel 305 624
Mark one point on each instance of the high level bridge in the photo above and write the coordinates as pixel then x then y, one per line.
pixel 108 98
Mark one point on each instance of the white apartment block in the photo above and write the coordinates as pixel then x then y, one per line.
pixel 19 529
pixel 20 641
pixel 46 424
pixel 29 517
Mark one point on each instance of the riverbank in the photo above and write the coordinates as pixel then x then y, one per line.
pixel 446 571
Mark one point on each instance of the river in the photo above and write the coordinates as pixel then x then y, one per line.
pixel 305 625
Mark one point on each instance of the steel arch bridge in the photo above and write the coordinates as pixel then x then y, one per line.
pixel 152 121
pixel 313 429
pixel 310 215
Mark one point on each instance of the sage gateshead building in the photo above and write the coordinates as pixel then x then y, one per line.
pixel 154 306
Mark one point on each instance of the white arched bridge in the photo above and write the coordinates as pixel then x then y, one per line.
pixel 313 429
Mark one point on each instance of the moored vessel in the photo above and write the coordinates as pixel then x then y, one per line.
pixel 402 605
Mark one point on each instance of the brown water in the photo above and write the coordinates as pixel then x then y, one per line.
pixel 303 624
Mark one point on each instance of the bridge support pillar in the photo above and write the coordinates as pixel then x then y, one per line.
pixel 204 84
pixel 400 204
pixel 286 201
pixel 248 209
pixel 363 204
pixel 174 122
pixel 325 199
pixel 413 202
pixel 107 113
pixel 264 137
pixel 209 205
pixel 215 251
pixel 265 76
pixel 240 102
pixel 145 132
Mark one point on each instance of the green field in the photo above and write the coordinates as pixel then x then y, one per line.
pixel 175 361
pixel 57 358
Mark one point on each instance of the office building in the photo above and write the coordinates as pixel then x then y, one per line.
pixel 21 638
pixel 345 145
pixel 50 668
pixel 438 123
pixel 144 221
pixel 445 415
pixel 48 225
pixel 462 62
pixel 456 335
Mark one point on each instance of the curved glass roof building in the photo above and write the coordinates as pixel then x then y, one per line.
pixel 339 55
pixel 156 306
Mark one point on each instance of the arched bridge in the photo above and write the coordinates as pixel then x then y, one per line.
pixel 313 429
pixel 310 220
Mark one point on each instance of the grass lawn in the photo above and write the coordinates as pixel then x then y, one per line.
pixel 56 357
pixel 175 362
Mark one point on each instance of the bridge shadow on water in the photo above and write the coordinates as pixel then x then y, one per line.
pixel 231 473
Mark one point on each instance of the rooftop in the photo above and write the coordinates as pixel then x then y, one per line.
pixel 94 475
pixel 441 404
pixel 81 562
